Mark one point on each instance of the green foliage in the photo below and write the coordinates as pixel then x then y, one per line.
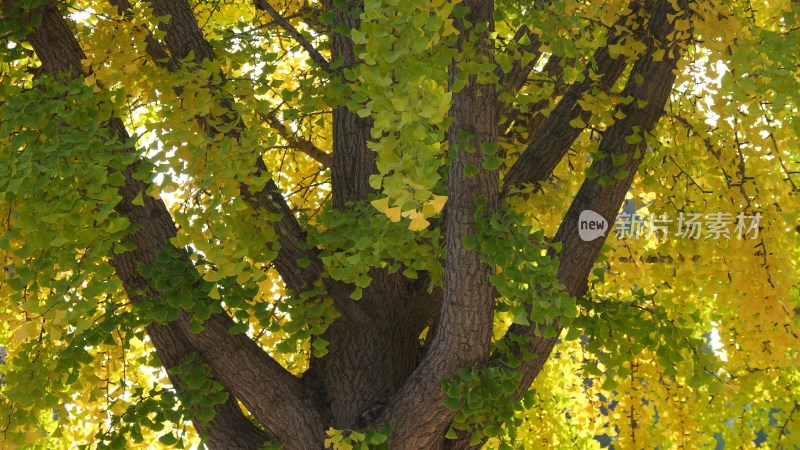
pixel 310 312
pixel 357 240
pixel 400 86
pixel 485 401
pixel 526 281
pixel 615 330
pixel 156 407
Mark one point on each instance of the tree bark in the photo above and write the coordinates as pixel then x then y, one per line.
pixel 353 161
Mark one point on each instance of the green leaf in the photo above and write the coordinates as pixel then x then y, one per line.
pixel 590 172
pixel 634 138
pixel 492 162
pixel 358 37
pixel 606 181
pixel 452 404
pixel 168 439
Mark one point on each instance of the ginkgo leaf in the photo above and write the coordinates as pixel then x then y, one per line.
pixel 438 202
pixel 393 213
pixel 418 222
pixel 381 204
pixel 577 123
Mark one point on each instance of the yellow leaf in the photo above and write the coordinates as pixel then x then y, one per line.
pixel 399 103
pixel 59 316
pixel 438 202
pixel 381 205
pixel 393 213
pixel 418 221
pixel 214 293
pixel 25 331
pixel 577 123
pixel 681 25
pixel 243 277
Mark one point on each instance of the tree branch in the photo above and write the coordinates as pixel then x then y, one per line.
pixel 275 397
pixel 515 78
pixel 298 142
pixel 552 70
pixel 315 55
pixel 556 135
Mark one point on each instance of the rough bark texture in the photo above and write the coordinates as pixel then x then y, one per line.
pixel 353 162
pixel 374 373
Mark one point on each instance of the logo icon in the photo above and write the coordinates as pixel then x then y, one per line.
pixel 591 225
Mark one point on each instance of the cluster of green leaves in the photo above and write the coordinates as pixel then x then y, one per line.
pixel 182 288
pixel 309 314
pixel 359 239
pixel 369 439
pixel 526 280
pixel 485 401
pixel 59 176
pixel 179 287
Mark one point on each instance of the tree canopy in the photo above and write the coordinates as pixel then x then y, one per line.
pixel 416 224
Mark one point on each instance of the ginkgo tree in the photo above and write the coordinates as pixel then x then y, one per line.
pixel 418 224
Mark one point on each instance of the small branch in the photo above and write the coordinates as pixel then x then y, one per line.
pixel 787 421
pixel 298 142
pixel 315 55
pixel 551 72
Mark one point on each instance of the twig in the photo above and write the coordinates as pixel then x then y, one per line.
pixel 315 55
pixel 298 142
